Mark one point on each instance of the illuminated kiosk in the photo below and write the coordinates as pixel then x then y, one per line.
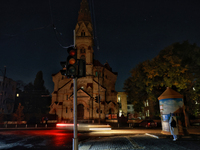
pixel 170 101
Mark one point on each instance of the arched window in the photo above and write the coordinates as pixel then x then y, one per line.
pixel 97 73
pixel 66 109
pixel 110 111
pixel 83 33
pixel 82 50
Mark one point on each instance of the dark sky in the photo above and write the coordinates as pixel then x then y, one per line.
pixel 127 32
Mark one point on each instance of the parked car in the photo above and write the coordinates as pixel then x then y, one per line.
pixel 148 123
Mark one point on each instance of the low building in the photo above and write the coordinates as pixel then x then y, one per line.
pixel 122 102
pixel 149 111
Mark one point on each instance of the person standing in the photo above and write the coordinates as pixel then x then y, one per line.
pixel 46 119
pixel 173 126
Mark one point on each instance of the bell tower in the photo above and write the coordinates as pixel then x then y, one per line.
pixel 84 36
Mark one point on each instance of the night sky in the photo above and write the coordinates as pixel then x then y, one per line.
pixel 127 32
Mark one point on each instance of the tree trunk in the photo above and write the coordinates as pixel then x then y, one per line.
pixel 187 123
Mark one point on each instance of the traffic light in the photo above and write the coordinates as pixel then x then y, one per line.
pixel 71 64
pixel 64 71
pixel 73 67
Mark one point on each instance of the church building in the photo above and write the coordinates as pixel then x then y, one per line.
pixel 100 80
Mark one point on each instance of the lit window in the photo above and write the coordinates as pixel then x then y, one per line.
pixel 17 95
pixel 119 98
pixel 120 113
pixel 147 103
pixel 147 113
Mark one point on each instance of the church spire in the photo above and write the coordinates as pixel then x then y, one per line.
pixel 84 13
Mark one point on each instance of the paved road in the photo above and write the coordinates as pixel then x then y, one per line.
pixel 113 140
pixel 37 139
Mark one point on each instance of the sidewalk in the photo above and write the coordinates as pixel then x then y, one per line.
pixel 122 142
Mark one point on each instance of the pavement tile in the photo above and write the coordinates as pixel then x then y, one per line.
pixel 110 143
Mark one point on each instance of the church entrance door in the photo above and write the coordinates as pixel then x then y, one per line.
pixel 80 112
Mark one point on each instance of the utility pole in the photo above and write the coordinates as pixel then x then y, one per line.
pixel 75 139
pixel 99 97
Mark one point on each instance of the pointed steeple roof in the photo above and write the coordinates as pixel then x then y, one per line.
pixel 84 13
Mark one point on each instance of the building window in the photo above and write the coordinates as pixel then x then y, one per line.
pixel 97 73
pixel 17 95
pixel 119 98
pixel 110 111
pixel 66 97
pixel 147 103
pixel 82 50
pixel 66 109
pixel 120 113
pixel 128 107
pixel 147 113
pixel 120 105
pixel 83 33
